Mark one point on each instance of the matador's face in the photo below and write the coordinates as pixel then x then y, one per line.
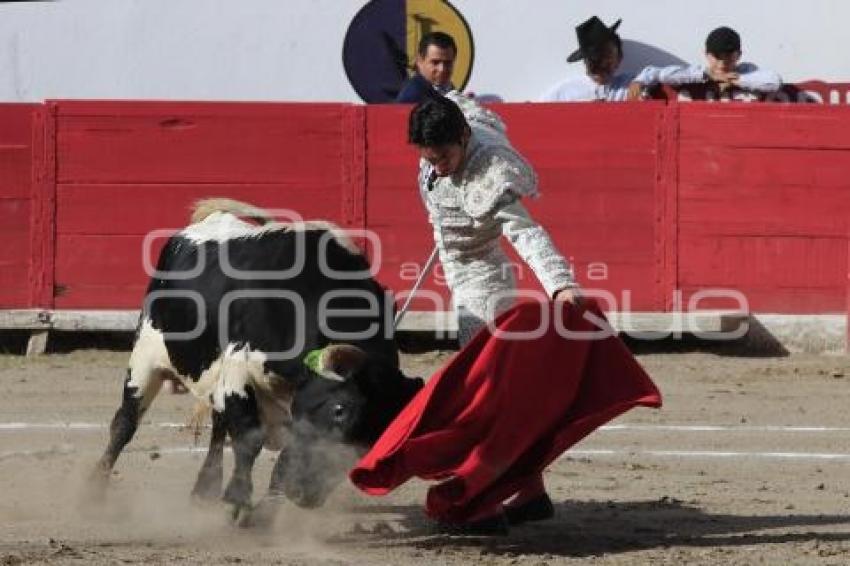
pixel 446 159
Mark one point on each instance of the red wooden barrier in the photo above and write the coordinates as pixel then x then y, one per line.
pixel 20 252
pixel 394 211
pixel 600 171
pixel 126 168
pixel 645 198
pixel 764 196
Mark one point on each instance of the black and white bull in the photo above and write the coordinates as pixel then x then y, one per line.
pixel 232 311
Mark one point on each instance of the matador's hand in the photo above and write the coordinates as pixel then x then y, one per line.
pixel 572 296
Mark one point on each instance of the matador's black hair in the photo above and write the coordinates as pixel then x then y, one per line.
pixel 436 121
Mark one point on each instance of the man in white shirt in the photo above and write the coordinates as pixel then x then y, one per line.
pixel 723 76
pixel 602 52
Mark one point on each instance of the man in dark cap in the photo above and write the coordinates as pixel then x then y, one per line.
pixel 602 52
pixel 723 75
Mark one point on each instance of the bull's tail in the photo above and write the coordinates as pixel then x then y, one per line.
pixel 203 208
pixel 198 419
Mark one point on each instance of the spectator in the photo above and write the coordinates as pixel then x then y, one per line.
pixel 435 60
pixel 723 75
pixel 602 51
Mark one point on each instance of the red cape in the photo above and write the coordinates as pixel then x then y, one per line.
pixel 502 409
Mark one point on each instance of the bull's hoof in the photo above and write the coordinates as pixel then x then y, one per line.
pixel 261 516
pixel 208 485
pixel 238 492
pixel 94 490
pixel 206 494
pixel 237 514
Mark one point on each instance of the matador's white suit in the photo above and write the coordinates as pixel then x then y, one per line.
pixel 472 208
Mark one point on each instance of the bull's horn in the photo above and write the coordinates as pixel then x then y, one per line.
pixel 343 359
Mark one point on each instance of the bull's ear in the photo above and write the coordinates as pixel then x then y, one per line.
pixel 344 360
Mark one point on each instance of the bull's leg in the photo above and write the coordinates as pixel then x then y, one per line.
pixel 211 476
pixel 144 380
pixel 243 424
pixel 140 389
pixel 278 475
pixel 263 515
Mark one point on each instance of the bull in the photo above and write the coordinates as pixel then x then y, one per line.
pixel 283 332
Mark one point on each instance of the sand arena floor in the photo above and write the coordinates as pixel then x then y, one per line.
pixel 747 463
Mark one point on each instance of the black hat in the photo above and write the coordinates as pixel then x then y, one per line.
pixel 592 35
pixel 722 40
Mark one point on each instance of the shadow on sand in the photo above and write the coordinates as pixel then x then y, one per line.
pixel 592 528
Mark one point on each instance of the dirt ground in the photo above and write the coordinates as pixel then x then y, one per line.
pixel 746 464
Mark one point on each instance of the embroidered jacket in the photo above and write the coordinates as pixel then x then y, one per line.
pixel 473 208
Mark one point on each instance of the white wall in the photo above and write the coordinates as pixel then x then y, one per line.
pixel 292 49
pixel 186 49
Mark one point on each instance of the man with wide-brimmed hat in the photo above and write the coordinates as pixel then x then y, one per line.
pixel 601 50
pixel 722 76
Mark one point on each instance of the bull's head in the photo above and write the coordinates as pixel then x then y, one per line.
pixel 342 404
